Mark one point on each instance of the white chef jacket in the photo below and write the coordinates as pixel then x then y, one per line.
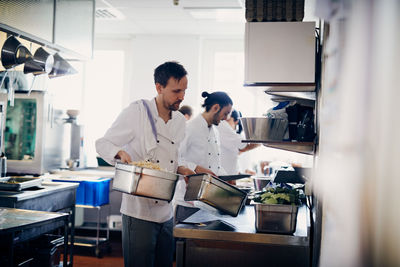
pixel 132 132
pixel 231 142
pixel 201 146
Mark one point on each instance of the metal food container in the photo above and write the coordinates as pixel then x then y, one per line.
pixel 264 129
pixel 144 182
pixel 216 193
pixel 275 218
pixel 19 183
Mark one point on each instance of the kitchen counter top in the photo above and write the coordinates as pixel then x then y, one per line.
pixel 241 228
pixel 46 188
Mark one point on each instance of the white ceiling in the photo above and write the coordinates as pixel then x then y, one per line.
pixel 198 17
pixel 213 17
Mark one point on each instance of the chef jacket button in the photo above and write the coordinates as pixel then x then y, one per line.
pixel 218 154
pixel 215 141
pixel 172 142
pixel 218 167
pixel 158 141
pixel 172 161
pixel 158 161
pixel 209 166
pixel 209 153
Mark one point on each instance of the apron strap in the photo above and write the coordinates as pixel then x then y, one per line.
pixel 153 126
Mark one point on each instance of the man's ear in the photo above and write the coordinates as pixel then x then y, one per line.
pixel 159 88
pixel 215 108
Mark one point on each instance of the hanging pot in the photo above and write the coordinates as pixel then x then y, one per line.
pixel 42 62
pixel 14 53
pixel 61 67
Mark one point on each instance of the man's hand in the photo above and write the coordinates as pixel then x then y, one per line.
pixel 185 172
pixel 200 169
pixel 123 156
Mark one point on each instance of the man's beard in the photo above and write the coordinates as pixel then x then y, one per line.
pixel 216 119
pixel 173 106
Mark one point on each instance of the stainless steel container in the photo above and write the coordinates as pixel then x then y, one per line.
pixel 19 183
pixel 275 218
pixel 260 182
pixel 144 182
pixel 216 193
pixel 264 129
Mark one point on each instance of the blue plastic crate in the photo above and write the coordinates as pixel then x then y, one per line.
pixel 97 192
pixel 90 192
pixel 80 191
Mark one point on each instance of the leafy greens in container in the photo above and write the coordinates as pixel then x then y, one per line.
pixel 284 194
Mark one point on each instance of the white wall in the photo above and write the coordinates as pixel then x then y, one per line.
pixel 150 51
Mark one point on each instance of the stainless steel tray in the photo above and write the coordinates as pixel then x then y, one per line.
pixel 275 218
pixel 19 183
pixel 216 193
pixel 144 182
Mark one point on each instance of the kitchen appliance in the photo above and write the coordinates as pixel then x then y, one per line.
pixel 216 193
pixel 35 140
pixel 144 182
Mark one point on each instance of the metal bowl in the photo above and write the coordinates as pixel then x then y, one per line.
pixel 264 129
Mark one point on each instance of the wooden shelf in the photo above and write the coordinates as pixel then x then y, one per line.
pixel 299 147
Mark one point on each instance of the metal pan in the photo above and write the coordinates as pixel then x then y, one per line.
pixel 216 193
pixel 19 183
pixel 144 182
pixel 233 177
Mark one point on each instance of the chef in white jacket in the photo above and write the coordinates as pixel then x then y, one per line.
pixel 231 142
pixel 201 146
pixel 149 130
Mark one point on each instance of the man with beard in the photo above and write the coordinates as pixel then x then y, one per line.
pixel 149 130
pixel 201 146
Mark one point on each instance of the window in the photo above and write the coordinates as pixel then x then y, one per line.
pixel 102 96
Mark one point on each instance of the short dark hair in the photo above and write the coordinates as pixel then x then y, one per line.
pixel 186 110
pixel 167 70
pixel 220 98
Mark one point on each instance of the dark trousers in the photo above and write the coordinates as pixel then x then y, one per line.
pixel 147 244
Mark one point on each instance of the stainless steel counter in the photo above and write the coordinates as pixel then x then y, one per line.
pixel 17 226
pixel 50 196
pixel 243 229
pixel 206 239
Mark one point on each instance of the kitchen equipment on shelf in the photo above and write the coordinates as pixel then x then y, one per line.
pixel 13 53
pixel 19 183
pixel 144 182
pixel 275 218
pixel 216 193
pixel 41 62
pixel 61 67
pixel 264 129
pixel 76 155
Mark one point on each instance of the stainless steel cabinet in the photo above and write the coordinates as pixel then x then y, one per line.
pixel 63 25
pixel 280 53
